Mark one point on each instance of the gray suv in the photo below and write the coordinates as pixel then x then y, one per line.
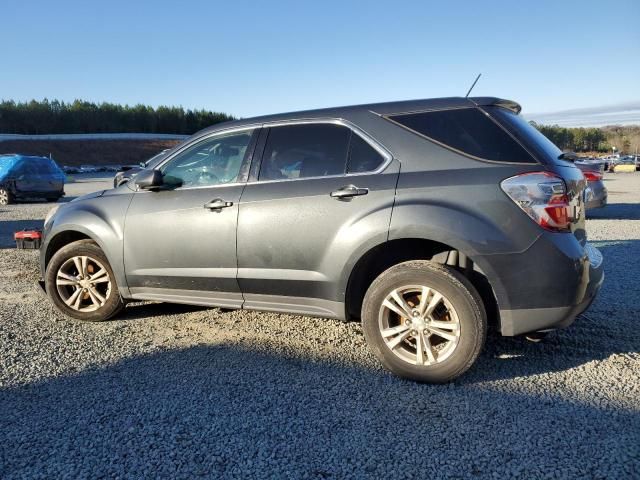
pixel 429 221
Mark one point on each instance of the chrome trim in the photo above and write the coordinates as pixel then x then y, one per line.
pixel 381 149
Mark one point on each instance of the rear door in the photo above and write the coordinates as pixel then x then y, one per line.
pixel 319 190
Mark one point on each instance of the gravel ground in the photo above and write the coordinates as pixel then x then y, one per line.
pixel 179 391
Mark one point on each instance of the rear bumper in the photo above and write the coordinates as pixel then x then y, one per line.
pixel 526 320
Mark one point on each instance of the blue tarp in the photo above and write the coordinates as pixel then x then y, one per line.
pixel 29 165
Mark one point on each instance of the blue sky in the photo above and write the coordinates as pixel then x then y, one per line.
pixel 250 58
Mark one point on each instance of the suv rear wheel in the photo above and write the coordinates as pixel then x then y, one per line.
pixel 81 283
pixel 424 321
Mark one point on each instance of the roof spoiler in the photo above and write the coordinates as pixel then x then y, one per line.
pixel 498 102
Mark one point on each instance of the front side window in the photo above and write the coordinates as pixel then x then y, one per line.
pixel 467 130
pixel 303 151
pixel 213 161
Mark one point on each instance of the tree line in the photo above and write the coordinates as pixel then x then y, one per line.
pixel 50 117
pixel 576 139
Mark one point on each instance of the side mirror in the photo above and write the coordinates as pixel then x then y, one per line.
pixel 149 179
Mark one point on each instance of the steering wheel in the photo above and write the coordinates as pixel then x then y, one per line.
pixel 206 177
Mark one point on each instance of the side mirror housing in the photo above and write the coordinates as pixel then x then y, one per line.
pixel 149 179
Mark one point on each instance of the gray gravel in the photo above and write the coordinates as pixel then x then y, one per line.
pixel 178 391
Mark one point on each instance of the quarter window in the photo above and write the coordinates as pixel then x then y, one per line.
pixel 362 156
pixel 213 161
pixel 467 130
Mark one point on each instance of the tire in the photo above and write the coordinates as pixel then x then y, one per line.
pixel 457 312
pixel 101 300
pixel 53 199
pixel 6 197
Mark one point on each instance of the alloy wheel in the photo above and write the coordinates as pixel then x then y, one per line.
pixel 419 325
pixel 83 283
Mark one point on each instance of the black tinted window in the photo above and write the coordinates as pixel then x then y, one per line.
pixel 362 156
pixel 300 151
pixel 527 134
pixel 468 130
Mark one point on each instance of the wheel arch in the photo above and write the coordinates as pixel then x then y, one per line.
pixel 384 255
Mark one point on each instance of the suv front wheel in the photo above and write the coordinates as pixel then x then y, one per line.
pixel 424 321
pixel 81 283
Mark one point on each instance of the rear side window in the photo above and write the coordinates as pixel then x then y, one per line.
pixel 302 151
pixel 362 156
pixel 467 130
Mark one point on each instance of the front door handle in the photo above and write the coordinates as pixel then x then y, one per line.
pixel 349 191
pixel 217 204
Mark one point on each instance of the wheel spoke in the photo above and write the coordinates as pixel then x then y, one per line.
pixel 78 265
pixel 402 304
pixel 389 332
pixel 442 333
pixel 84 262
pixel 100 277
pixel 76 304
pixel 76 294
pixel 435 300
pixel 443 325
pixel 423 300
pixel 67 276
pixel 429 349
pixel 420 348
pixel 63 282
pixel 94 298
pixel 398 340
pixel 93 291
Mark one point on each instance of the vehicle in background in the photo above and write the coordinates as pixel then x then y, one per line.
pixel 625 165
pixel 590 164
pixel 29 177
pixel 596 193
pixel 593 171
pixel 125 174
pixel 426 220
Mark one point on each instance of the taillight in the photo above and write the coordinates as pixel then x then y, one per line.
pixel 592 176
pixel 542 196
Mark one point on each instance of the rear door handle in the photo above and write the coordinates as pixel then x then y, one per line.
pixel 217 204
pixel 349 191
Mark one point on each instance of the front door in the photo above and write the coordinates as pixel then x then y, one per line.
pixel 180 241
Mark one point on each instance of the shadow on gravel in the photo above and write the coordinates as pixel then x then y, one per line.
pixel 8 227
pixel 616 211
pixel 229 411
pixel 146 310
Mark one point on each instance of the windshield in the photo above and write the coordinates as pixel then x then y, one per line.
pixel 543 148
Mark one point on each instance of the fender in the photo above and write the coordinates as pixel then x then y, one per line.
pixel 100 218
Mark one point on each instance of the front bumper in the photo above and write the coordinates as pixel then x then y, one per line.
pixel 526 320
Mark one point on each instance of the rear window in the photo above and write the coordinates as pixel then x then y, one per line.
pixel 526 134
pixel 467 130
